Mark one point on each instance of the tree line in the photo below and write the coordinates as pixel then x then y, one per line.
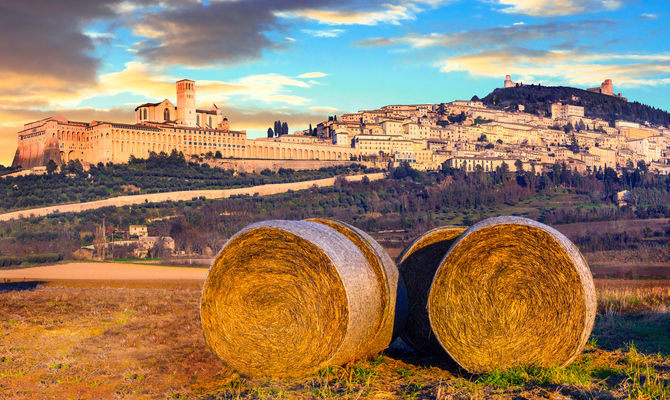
pixel 408 200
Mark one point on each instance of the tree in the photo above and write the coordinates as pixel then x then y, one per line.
pixel 271 133
pixel 581 126
pixel 100 241
pixel 310 130
pixel 277 129
pixel 218 154
pixel 519 166
pixel 51 167
pixel 284 128
pixel 568 127
pixel 75 167
pixel 642 166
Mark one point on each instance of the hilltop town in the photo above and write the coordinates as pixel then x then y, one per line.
pixel 461 134
pixel 472 135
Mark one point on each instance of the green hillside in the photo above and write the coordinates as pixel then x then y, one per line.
pixel 538 99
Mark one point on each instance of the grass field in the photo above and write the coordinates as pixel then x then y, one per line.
pixel 142 339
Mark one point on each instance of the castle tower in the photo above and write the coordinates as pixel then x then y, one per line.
pixel 508 82
pixel 607 87
pixel 186 102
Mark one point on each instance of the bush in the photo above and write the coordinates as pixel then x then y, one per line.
pixel 43 258
pixel 9 261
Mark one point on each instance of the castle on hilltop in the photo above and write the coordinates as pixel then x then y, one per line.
pixel 606 88
pixel 508 82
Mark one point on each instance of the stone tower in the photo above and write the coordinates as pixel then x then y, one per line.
pixel 607 87
pixel 186 102
pixel 508 82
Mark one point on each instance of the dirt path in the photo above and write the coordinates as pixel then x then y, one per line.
pixel 104 271
pixel 261 190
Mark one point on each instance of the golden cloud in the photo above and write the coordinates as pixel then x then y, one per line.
pixel 566 66
pixel 553 8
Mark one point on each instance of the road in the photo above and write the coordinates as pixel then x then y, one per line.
pixel 261 190
pixel 104 271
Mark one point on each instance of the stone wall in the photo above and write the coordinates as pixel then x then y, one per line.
pixel 257 166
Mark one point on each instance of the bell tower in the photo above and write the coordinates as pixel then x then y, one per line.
pixel 186 102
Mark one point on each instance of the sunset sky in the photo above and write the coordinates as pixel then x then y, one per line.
pixel 300 61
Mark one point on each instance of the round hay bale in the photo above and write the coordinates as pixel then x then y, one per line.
pixel 287 298
pixel 417 265
pixel 393 294
pixel 512 292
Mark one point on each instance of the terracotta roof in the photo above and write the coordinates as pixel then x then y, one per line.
pixel 206 112
pixel 147 105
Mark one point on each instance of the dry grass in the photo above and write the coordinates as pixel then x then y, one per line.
pixel 84 340
pixel 512 292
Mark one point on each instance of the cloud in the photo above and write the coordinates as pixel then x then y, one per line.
pixel 45 52
pixel 100 35
pixel 554 8
pixel 196 33
pixel 34 31
pixel 256 122
pixel 386 13
pixel 648 16
pixel 574 67
pixel 493 37
pixel 312 75
pixel 324 110
pixel 324 33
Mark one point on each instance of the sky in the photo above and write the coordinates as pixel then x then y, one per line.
pixel 303 60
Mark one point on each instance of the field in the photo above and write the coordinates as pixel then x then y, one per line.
pixel 92 339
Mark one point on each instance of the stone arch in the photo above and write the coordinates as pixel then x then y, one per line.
pixel 311 154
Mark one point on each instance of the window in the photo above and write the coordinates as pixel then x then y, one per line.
pixel 210 121
pixel 145 113
pixel 197 120
pixel 166 114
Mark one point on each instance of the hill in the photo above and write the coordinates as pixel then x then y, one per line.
pixel 537 99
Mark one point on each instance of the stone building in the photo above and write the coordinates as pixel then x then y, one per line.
pixel 508 82
pixel 606 88
pixel 159 127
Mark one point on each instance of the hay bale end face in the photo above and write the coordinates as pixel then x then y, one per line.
pixel 512 292
pixel 393 294
pixel 287 298
pixel 417 265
